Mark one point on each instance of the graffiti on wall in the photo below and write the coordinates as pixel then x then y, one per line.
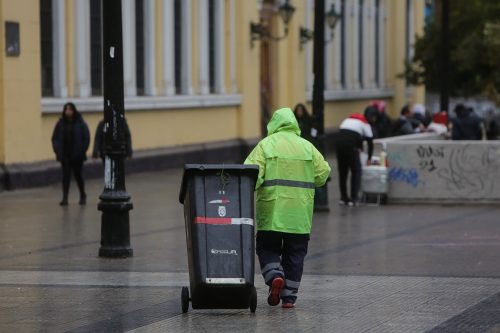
pixel 404 175
pixel 427 155
pixel 446 170
pixel 471 171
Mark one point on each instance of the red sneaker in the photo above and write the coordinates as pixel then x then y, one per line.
pixel 274 293
pixel 288 305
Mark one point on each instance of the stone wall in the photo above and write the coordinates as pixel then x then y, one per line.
pixel 444 171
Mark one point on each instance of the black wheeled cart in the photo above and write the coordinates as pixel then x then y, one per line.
pixel 219 216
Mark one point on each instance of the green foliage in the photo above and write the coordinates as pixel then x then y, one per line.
pixel 474 50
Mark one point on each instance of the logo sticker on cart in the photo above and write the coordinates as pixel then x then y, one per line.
pixel 229 252
pixel 219 201
pixel 222 211
pixel 223 220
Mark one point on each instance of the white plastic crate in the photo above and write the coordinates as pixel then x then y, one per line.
pixel 374 180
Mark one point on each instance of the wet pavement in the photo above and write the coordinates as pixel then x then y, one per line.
pixel 395 268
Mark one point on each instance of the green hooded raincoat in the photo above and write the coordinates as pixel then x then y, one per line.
pixel 290 167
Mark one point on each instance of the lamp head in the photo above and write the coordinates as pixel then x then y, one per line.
pixel 332 17
pixel 286 11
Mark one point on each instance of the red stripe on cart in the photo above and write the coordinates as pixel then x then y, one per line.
pixel 223 220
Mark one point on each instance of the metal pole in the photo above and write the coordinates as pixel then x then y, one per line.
pixel 115 201
pixel 321 195
pixel 445 55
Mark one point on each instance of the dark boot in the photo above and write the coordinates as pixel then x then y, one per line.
pixel 83 199
pixel 64 201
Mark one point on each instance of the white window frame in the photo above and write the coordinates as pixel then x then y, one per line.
pixel 354 65
pixel 203 46
pixel 51 105
pixel 220 41
pixel 329 54
pixel 59 48
pixel 368 47
pixel 149 47
pixel 82 48
pixel 168 77
pixel 232 47
pixel 337 84
pixel 186 47
pixel 381 40
pixel 129 59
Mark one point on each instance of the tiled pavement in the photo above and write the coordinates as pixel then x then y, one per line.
pixel 404 268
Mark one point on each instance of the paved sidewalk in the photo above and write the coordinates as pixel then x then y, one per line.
pixel 396 268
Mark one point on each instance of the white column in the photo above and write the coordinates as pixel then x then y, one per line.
pixel 203 47
pixel 59 48
pixel 187 67
pixel 309 48
pixel 82 48
pixel 129 64
pixel 149 48
pixel 232 47
pixel 353 37
pixel 329 54
pixel 219 46
pixel 337 84
pixel 168 77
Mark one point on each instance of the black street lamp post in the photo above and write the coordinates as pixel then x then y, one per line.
pixel 321 196
pixel 115 202
pixel 445 55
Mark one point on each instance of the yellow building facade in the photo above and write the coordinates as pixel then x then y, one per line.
pixel 192 74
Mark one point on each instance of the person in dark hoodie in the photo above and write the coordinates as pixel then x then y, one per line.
pixel 371 115
pixel 467 125
pixel 383 124
pixel 70 141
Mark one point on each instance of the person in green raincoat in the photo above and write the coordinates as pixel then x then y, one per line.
pixel 290 168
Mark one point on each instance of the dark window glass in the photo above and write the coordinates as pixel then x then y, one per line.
pixel 360 42
pixel 96 47
pixel 342 45
pixel 178 45
pixel 211 44
pixel 377 41
pixel 139 45
pixel 46 46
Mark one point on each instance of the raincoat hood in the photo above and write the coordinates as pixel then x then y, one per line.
pixel 283 120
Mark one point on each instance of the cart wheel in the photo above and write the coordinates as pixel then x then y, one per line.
pixel 185 299
pixel 253 300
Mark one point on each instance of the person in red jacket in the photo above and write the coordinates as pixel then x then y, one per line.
pixel 353 131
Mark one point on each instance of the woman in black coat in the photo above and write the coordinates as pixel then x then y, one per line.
pixel 304 119
pixel 70 141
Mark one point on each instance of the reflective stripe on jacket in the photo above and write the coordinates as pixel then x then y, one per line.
pixel 289 170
